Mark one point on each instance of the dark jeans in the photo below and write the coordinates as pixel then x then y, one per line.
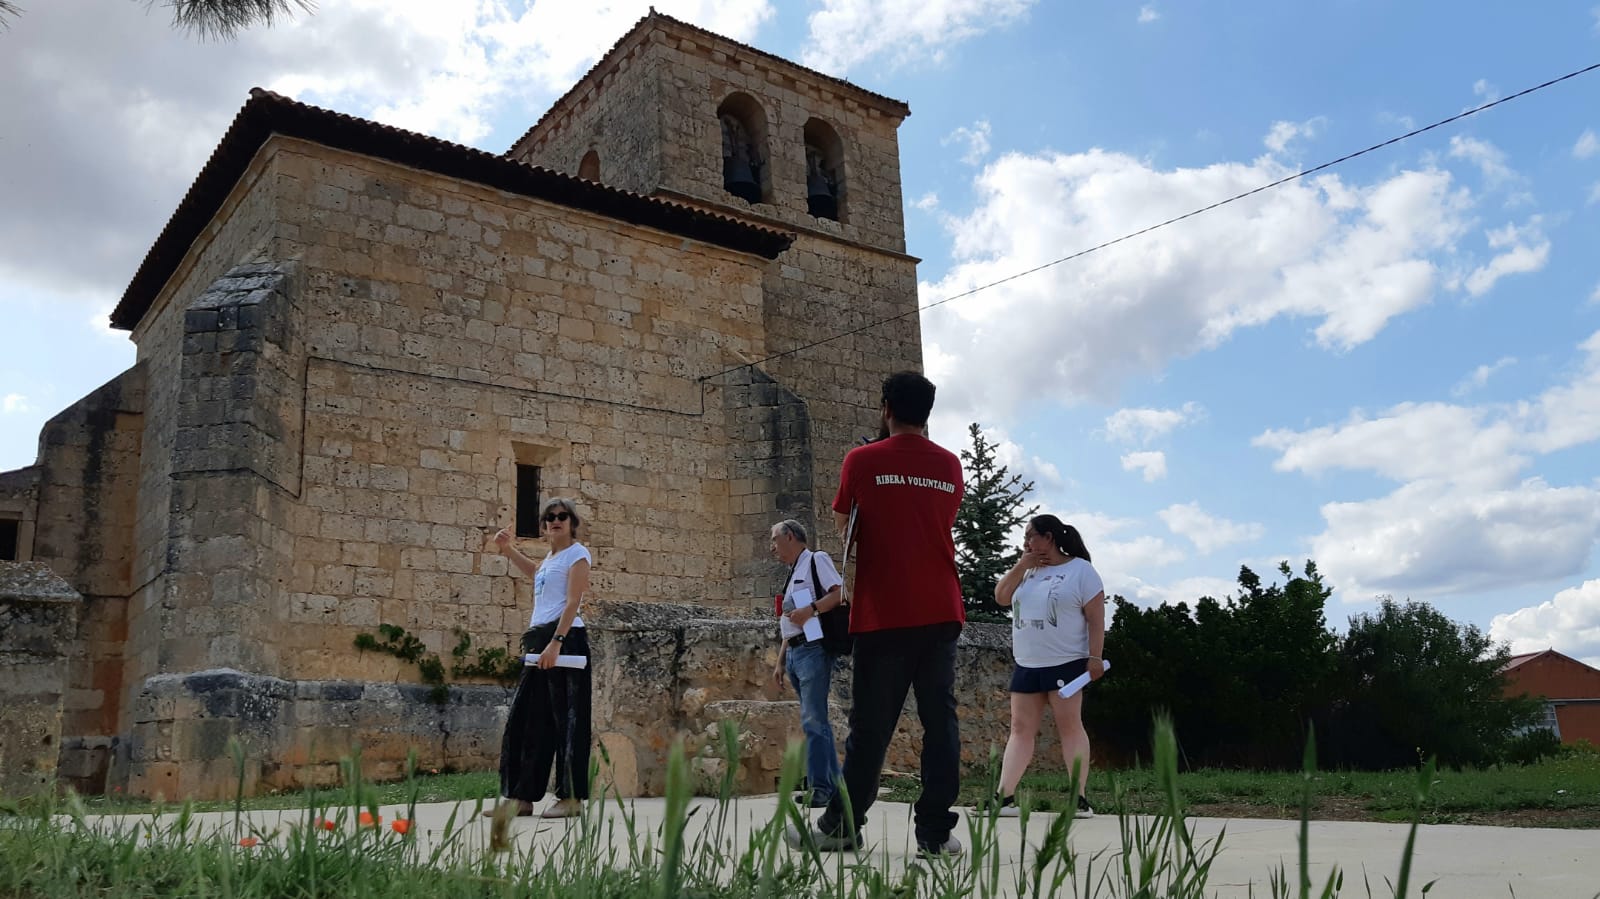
pixel 888 664
pixel 549 724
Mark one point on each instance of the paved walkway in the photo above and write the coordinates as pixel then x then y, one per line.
pixel 1467 862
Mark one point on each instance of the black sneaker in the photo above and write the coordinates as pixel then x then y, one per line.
pixel 950 848
pixel 1000 806
pixel 1084 809
pixel 819 839
pixel 806 799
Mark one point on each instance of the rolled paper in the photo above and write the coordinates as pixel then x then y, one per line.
pixel 1079 682
pixel 532 658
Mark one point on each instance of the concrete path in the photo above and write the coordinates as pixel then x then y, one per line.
pixel 1467 862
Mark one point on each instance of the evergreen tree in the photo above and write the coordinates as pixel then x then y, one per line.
pixel 989 513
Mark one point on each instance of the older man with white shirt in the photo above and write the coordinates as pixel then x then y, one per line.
pixel 812 587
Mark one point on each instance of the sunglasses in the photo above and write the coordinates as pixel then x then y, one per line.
pixel 556 516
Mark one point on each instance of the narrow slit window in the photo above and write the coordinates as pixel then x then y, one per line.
pixel 527 500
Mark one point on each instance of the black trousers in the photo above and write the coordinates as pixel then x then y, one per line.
pixel 888 665
pixel 549 724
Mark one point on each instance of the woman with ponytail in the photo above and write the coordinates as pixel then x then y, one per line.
pixel 1058 615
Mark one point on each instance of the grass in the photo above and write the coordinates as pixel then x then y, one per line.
pixel 448 787
pixel 57 848
pixel 1562 791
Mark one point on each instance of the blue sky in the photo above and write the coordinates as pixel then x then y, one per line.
pixel 1392 368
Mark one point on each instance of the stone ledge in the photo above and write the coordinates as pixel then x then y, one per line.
pixel 34 582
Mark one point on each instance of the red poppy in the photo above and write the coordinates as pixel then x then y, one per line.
pixel 247 842
pixel 400 825
pixel 365 819
pixel 327 825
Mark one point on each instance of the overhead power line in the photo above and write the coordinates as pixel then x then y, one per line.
pixel 1159 225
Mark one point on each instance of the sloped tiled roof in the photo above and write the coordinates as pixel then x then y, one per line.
pixel 1517 661
pixel 267 113
pixel 653 18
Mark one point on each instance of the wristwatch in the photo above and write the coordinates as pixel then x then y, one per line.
pixel 560 638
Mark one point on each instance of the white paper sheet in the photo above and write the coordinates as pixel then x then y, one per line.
pixel 1079 682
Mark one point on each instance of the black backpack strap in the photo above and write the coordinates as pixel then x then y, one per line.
pixel 816 585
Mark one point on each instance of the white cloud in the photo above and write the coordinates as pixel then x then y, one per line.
pixel 1431 539
pixel 1480 376
pixel 1493 165
pixel 976 140
pixel 1282 133
pixel 1595 296
pixel 1588 145
pixel 1463 518
pixel 1566 415
pixel 1148 14
pixel 1186 590
pixel 1145 425
pixel 14 402
pixel 1594 193
pixel 1411 441
pixel 928 202
pixel 1119 559
pixel 1348 257
pixel 1207 532
pixel 1153 465
pixel 1483 89
pixel 1522 250
pixel 845 33
pixel 111 91
pixel 1489 159
pixel 1568 623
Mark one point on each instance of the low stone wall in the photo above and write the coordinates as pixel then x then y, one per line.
pixel 665 672
pixel 295 734
pixel 662 673
pixel 38 622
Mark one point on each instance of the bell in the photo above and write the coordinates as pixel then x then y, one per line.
pixel 739 180
pixel 820 200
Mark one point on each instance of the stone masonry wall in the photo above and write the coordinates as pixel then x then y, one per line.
pixel 665 673
pixel 431 335
pixel 659 98
pixel 453 332
pixel 242 233
pixel 38 622
pixel 769 429
pixel 87 505
pixel 295 733
pixel 604 116
pixel 839 276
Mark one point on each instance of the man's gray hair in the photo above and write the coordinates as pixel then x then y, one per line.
pixel 794 528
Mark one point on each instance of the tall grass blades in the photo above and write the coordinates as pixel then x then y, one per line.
pixel 711 848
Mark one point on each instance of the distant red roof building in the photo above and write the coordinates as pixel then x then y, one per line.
pixel 1570 688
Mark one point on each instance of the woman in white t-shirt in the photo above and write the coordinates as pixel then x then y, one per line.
pixel 549 724
pixel 1058 617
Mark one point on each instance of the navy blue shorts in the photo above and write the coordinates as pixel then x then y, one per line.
pixel 1046 680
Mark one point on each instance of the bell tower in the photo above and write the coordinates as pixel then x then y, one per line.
pixel 682 114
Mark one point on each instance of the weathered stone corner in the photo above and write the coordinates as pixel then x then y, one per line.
pixel 38 622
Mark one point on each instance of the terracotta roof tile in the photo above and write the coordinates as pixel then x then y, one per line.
pixel 267 113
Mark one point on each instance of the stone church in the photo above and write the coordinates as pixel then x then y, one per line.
pixel 362 350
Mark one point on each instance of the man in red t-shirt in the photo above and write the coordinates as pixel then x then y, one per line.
pixel 906 615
